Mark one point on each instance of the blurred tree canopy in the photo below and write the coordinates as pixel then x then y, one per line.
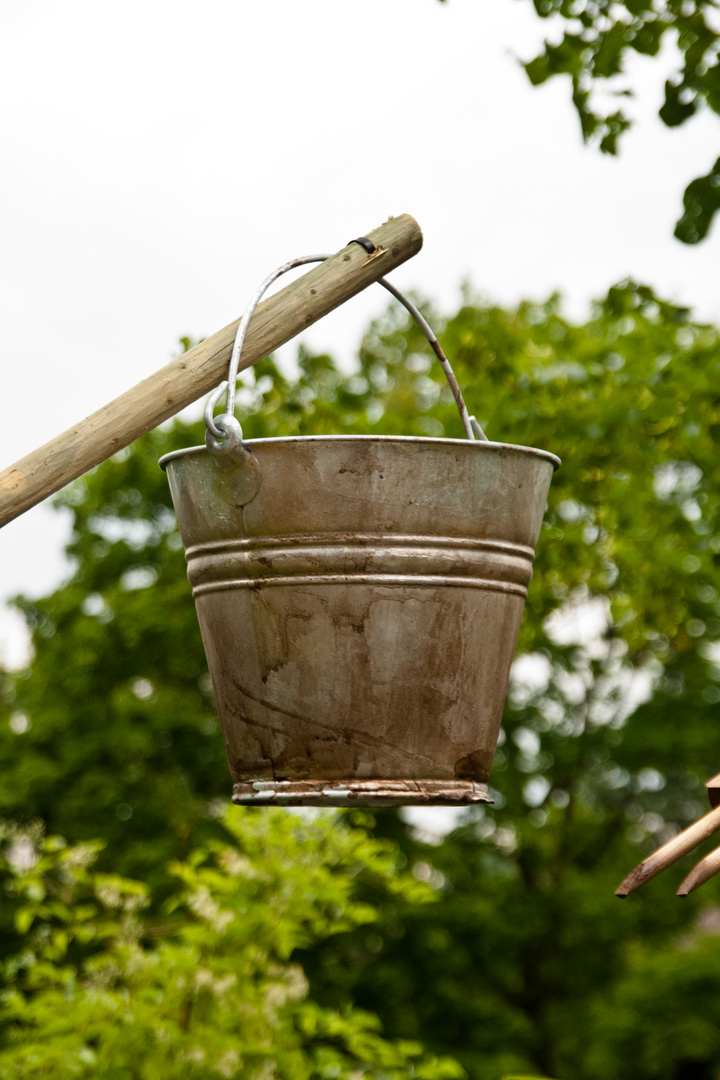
pixel 90 987
pixel 526 962
pixel 593 41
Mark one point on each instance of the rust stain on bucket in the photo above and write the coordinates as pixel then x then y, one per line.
pixel 360 612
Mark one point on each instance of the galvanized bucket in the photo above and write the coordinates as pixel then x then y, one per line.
pixel 359 599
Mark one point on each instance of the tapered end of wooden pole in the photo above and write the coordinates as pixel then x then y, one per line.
pixel 672 851
pixel 634 880
pixel 692 882
pixel 701 873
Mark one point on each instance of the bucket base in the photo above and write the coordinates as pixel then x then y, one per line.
pixel 360 793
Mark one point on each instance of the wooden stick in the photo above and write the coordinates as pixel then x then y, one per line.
pixel 713 790
pixel 701 873
pixel 672 851
pixel 194 374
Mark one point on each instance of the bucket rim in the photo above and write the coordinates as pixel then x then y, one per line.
pixel 480 446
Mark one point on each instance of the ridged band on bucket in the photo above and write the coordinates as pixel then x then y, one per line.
pixel 360 611
pixel 402 560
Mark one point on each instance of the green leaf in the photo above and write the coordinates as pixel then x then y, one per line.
pixel 23 919
pixel 676 110
pixel 701 201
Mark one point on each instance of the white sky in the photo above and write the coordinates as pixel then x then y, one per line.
pixel 159 158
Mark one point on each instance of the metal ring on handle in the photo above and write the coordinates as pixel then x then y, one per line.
pixel 221 432
pixel 231 441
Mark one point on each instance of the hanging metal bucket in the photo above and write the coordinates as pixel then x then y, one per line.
pixel 359 599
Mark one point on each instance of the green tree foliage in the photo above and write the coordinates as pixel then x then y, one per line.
pixel 92 987
pixel 527 964
pixel 599 36
pixel 592 42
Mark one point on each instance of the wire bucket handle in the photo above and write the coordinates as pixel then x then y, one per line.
pixel 224 433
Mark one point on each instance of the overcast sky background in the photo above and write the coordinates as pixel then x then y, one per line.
pixel 159 158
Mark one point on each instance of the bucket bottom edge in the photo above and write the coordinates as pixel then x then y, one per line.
pixel 360 793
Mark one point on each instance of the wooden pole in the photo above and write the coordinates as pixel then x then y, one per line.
pixel 194 374
pixel 701 873
pixel 669 853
